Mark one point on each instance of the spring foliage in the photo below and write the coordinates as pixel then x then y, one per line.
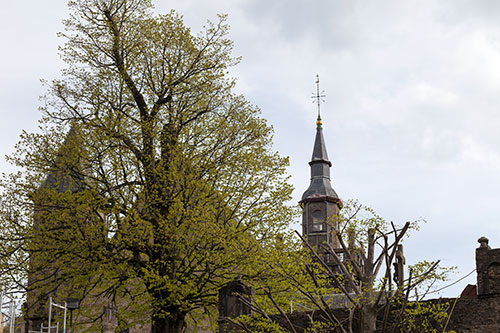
pixel 166 187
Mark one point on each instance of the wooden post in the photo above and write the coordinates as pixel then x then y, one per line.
pixel 399 266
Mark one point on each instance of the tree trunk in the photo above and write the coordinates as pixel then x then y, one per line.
pixel 174 323
pixel 369 320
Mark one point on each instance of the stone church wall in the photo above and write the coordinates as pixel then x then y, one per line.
pixel 476 311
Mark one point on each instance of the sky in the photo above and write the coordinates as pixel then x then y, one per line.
pixel 411 115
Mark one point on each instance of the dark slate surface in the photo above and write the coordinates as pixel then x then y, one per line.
pixel 65 176
pixel 319 150
pixel 320 171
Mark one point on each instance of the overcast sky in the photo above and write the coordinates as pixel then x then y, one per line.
pixel 412 113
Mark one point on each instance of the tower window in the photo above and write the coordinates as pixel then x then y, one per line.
pixel 318 223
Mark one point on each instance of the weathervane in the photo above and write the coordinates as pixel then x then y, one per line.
pixel 318 98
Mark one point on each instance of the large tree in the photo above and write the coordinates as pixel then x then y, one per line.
pixel 167 186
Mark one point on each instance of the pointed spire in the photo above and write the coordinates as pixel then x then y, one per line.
pixel 320 186
pixel 319 149
pixel 66 173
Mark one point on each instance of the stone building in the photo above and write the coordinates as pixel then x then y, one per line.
pixel 63 178
pixel 488 269
pixel 476 310
pixel 320 203
pixel 49 276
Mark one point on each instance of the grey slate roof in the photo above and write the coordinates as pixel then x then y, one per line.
pixel 320 186
pixel 65 175
pixel 319 149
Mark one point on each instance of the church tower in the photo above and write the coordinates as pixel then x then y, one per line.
pixel 320 203
pixel 45 274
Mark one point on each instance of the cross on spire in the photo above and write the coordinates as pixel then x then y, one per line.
pixel 318 98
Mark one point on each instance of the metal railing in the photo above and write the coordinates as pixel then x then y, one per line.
pixel 50 327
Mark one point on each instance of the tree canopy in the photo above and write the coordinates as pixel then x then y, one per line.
pixel 166 186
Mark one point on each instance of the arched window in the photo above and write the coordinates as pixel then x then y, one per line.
pixel 318 221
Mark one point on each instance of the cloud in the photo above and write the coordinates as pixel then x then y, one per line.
pixel 412 111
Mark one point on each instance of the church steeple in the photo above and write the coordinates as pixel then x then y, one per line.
pixel 320 202
pixel 320 169
pixel 320 165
